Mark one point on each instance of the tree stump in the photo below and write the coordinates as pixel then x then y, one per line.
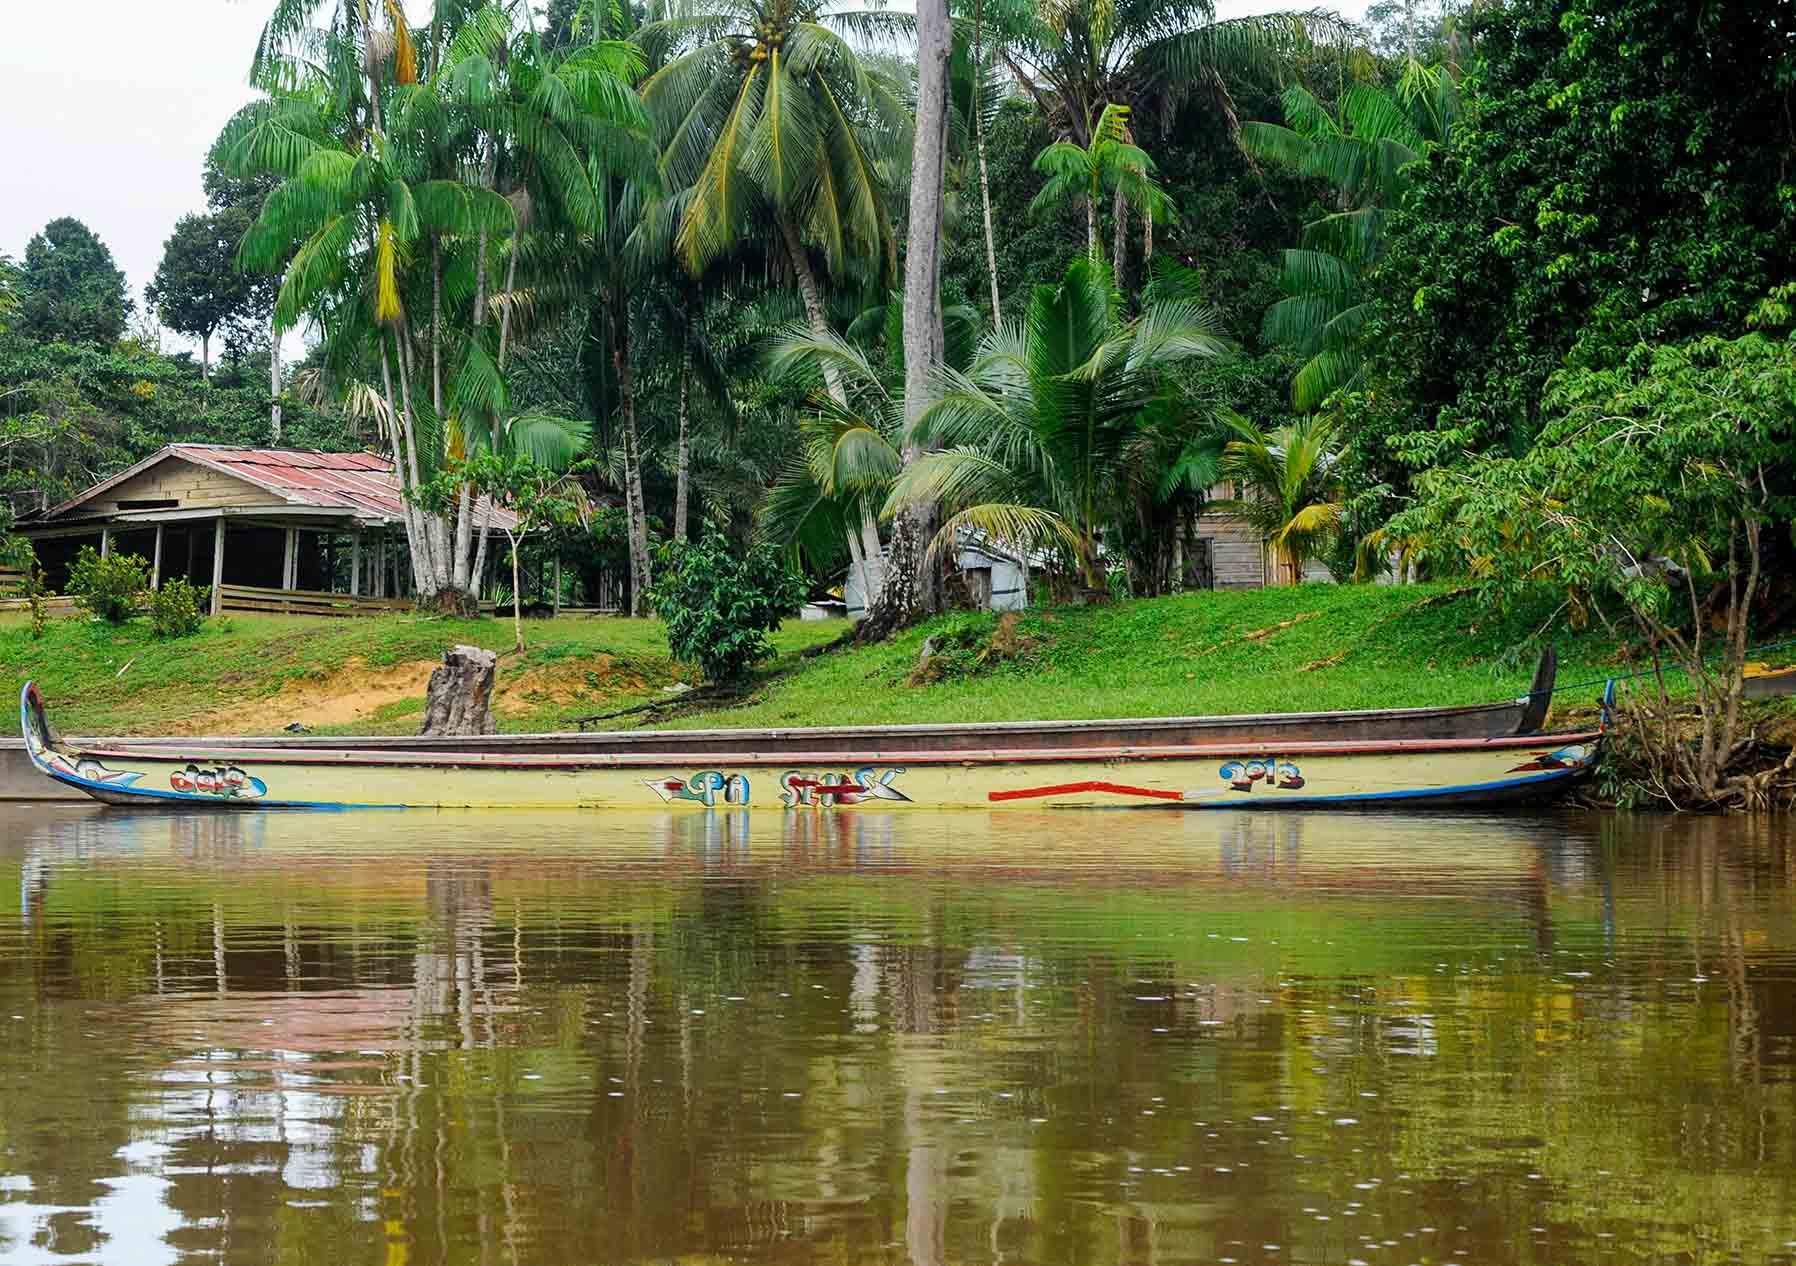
pixel 460 701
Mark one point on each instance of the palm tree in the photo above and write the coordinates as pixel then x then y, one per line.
pixel 1081 172
pixel 388 213
pixel 849 453
pixel 1363 151
pixel 1290 490
pixel 1036 439
pixel 765 112
pixel 1074 57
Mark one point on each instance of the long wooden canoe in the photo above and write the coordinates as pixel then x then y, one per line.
pixel 1523 715
pixel 863 767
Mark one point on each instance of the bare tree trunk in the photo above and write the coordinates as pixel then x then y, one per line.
pixel 873 571
pixel 1147 242
pixel 637 514
pixel 511 282
pixel 274 382
pixel 682 474
pixel 417 548
pixel 913 584
pixel 812 295
pixel 985 187
pixel 206 358
pixel 1091 226
pixel 1119 207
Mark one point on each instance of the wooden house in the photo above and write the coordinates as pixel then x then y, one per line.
pixel 266 529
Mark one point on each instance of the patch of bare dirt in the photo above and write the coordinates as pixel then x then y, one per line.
pixel 567 683
pixel 354 692
pixel 347 694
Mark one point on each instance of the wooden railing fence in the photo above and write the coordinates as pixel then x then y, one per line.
pixel 304 601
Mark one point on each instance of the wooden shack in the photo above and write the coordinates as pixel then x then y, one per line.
pixel 265 529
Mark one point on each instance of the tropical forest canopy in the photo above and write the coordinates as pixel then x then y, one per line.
pixel 1499 290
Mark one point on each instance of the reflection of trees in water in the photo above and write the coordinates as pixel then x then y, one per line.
pixel 472 972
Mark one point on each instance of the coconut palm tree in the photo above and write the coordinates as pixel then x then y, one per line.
pixel 1363 150
pixel 848 458
pixel 1288 487
pixel 1074 57
pixel 767 115
pixel 1036 438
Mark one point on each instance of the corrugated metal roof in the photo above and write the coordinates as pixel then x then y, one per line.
pixel 360 484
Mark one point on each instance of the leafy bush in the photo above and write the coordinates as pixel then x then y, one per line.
pixel 108 587
pixel 719 604
pixel 176 610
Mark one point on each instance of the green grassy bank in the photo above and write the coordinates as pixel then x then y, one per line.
pixel 1300 649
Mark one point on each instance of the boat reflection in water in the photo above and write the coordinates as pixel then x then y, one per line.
pixel 875 1037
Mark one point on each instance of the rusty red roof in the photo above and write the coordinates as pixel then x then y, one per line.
pixel 362 485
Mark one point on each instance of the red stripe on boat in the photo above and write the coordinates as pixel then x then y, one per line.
pixel 1072 788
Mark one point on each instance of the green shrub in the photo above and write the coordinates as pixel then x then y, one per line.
pixel 177 609
pixel 720 603
pixel 108 587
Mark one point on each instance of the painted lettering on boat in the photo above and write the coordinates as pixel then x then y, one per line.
pixel 228 782
pixel 707 787
pixel 1245 775
pixel 800 787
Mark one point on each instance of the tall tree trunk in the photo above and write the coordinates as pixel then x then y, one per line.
pixel 683 473
pixel 274 382
pixel 1091 226
pixel 417 548
pixel 1119 208
pixel 1147 243
pixel 637 515
pixel 985 186
pixel 809 291
pixel 206 357
pixel 874 570
pixel 913 584
pixel 511 282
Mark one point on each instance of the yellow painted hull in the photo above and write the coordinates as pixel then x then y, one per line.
pixel 1242 777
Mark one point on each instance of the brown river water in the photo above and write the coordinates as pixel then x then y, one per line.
pixel 846 1037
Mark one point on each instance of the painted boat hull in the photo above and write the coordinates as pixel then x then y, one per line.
pixel 1273 772
pixel 1523 715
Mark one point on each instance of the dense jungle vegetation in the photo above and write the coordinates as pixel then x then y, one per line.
pixel 1494 293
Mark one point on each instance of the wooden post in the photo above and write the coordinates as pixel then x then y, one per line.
pixel 355 565
pixel 290 558
pixel 105 542
pixel 193 548
pixel 218 538
pixel 156 562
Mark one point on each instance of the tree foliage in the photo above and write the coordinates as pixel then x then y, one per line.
pixel 70 290
pixel 1656 487
pixel 720 602
pixel 1036 439
pixel 198 289
pixel 1619 174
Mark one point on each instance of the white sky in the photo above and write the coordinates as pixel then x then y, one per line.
pixel 107 108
